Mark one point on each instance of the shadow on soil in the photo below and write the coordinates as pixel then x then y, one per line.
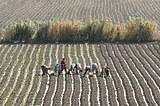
pixel 113 42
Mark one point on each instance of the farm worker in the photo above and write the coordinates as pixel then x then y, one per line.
pixel 87 69
pixel 57 68
pixel 72 67
pixel 78 67
pixel 45 69
pixel 105 69
pixel 94 67
pixel 63 65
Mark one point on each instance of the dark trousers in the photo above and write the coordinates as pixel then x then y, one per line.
pixel 85 72
pixel 44 71
pixel 62 68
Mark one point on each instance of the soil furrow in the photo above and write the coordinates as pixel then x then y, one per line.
pixel 94 89
pixel 47 84
pixel 103 89
pixel 10 77
pixel 77 78
pixel 88 63
pixel 66 98
pixel 47 100
pixel 110 86
pixel 3 49
pixel 8 70
pixel 56 60
pixel 155 53
pixel 29 89
pixel 120 91
pixel 125 80
pixel 157 48
pixel 13 94
pixel 15 14
pixel 29 74
pixel 147 75
pixel 85 89
pixel 5 55
pixel 56 100
pixel 136 73
pixel 133 77
pixel 41 59
pixel 151 63
pixel 131 73
pixel 41 10
pixel 139 72
pixel 21 78
pixel 36 79
pixel 98 92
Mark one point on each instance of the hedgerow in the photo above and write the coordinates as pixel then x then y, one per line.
pixel 76 31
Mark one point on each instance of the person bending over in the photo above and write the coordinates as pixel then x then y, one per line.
pixel 87 69
pixel 105 69
pixel 72 67
pixel 57 69
pixel 94 67
pixel 63 65
pixel 45 69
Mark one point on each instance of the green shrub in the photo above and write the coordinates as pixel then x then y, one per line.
pixel 42 32
pixel 139 30
pixel 8 32
pixel 24 31
pixel 108 30
pixel 92 30
pixel 20 31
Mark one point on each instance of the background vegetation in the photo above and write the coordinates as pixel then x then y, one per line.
pixel 76 31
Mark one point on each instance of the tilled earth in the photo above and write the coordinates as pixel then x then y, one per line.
pixel 42 10
pixel 135 67
pixel 134 76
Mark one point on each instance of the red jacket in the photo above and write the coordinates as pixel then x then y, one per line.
pixel 63 62
pixel 105 67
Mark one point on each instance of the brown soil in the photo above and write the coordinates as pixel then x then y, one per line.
pixel 75 100
pixel 103 97
pixel 21 78
pixel 47 100
pixel 28 79
pixel 119 10
pixel 13 94
pixel 104 53
pixel 7 74
pixel 9 68
pixel 57 97
pixel 84 96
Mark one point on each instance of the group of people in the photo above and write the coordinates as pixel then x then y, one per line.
pixel 75 68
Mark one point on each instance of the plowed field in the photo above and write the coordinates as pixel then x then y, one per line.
pixel 134 78
pixel 42 10
pixel 135 67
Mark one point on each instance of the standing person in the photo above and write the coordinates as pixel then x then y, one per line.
pixel 105 69
pixel 94 67
pixel 57 69
pixel 78 67
pixel 45 69
pixel 63 65
pixel 87 69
